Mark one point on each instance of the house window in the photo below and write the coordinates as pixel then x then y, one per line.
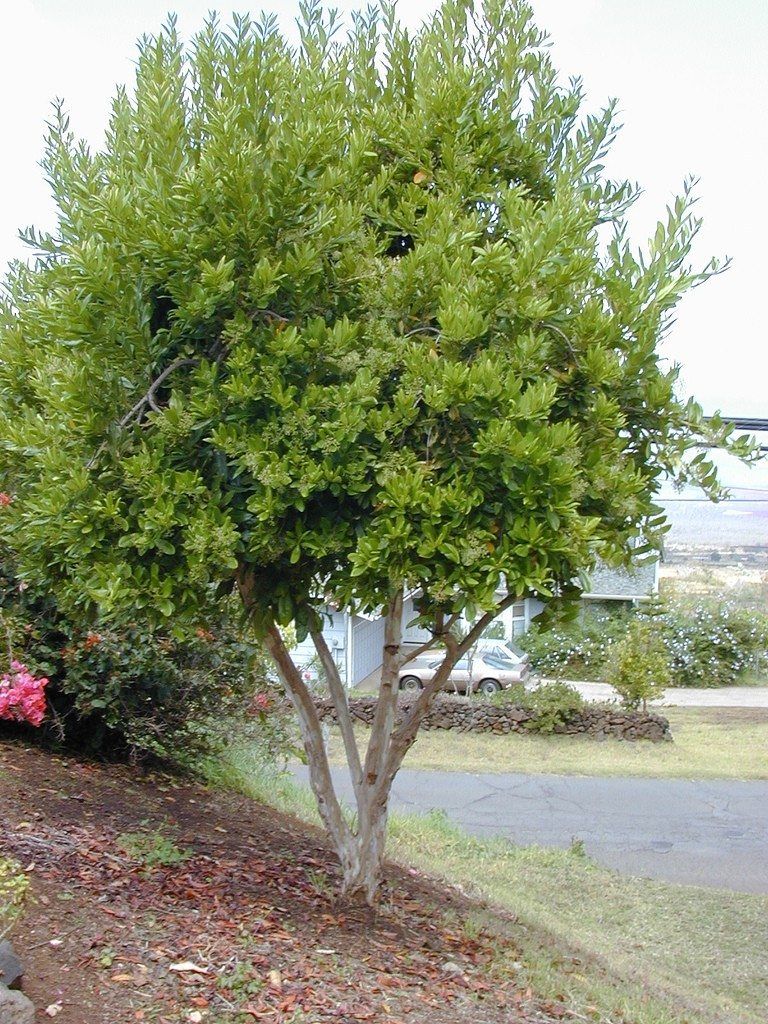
pixel 519 618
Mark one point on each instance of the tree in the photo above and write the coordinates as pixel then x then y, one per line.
pixel 637 665
pixel 341 323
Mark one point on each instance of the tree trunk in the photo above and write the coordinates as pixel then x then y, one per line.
pixel 362 859
pixel 361 852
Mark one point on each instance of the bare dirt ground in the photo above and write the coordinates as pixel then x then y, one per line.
pixel 224 910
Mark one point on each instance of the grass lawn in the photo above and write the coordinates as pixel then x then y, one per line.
pixel 623 950
pixel 709 743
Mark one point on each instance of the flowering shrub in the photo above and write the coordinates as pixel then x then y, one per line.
pixel 712 645
pixel 22 695
pixel 577 650
pixel 122 690
pixel 261 703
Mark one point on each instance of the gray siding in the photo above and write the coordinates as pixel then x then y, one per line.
pixel 335 633
pixel 412 634
pixel 367 643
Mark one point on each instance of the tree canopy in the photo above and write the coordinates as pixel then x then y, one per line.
pixel 340 321
pixel 357 313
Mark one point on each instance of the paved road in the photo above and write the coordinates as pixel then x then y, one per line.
pixel 688 696
pixel 712 833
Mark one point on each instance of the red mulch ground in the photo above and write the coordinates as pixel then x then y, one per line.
pixel 252 910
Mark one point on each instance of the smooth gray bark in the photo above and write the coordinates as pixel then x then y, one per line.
pixel 361 848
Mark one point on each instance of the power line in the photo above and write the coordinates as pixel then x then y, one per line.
pixel 727 501
pixel 743 422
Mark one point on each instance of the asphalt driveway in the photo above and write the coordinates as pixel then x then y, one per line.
pixel 712 833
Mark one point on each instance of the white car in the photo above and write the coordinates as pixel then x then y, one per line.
pixel 490 666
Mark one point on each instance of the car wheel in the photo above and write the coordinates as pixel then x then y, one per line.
pixel 411 684
pixel 489 686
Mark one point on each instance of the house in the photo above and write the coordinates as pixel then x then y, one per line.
pixel 357 640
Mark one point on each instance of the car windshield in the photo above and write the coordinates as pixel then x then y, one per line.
pixel 513 650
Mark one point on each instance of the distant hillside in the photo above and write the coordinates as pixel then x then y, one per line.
pixel 734 532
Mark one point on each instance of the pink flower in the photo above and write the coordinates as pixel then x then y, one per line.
pixel 261 702
pixel 22 695
pixel 5 499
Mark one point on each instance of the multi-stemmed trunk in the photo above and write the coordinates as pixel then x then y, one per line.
pixel 360 848
pixel 362 856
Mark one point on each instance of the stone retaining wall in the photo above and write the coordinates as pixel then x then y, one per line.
pixel 599 721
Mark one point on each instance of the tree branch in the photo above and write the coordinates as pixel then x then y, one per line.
pixel 553 327
pixel 312 735
pixel 402 738
pixel 384 717
pixel 405 734
pixel 484 621
pixel 148 398
pixel 441 628
pixel 426 329
pixel 341 704
pixel 270 314
pixel 409 655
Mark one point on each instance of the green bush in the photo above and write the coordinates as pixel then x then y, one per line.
pixel 712 645
pixel 125 691
pixel 577 650
pixel 171 698
pixel 515 694
pixel 707 645
pixel 554 703
pixel 14 886
pixel 638 665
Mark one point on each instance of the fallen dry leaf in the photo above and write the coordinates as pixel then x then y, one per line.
pixel 187 967
pixel 197 908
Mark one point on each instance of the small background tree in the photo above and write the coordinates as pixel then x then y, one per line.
pixel 637 666
pixel 338 323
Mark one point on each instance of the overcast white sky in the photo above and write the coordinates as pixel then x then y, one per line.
pixel 691 77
